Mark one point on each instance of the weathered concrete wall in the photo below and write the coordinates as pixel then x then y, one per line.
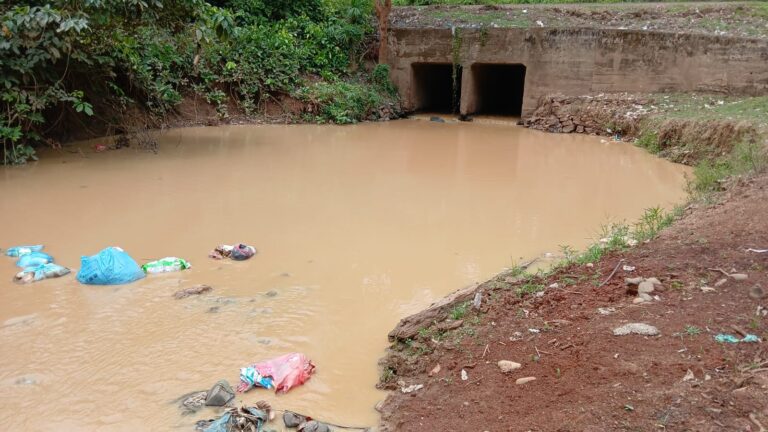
pixel 581 61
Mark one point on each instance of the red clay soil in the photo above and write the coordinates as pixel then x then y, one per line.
pixel 587 379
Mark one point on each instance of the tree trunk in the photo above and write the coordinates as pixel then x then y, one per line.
pixel 383 8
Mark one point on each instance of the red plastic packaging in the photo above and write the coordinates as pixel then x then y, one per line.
pixel 287 371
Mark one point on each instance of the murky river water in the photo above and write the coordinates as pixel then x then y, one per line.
pixel 356 227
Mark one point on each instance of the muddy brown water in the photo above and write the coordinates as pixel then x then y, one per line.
pixel 356 226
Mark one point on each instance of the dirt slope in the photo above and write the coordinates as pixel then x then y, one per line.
pixel 587 379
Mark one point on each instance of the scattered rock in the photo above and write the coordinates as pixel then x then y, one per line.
pixel 464 375
pixel 654 281
pixel 271 293
pixel 633 281
pixel 644 296
pixel 478 300
pixel 554 285
pixel 628 268
pixel 689 376
pixel 526 380
pixel 645 287
pixel 637 300
pixel 292 419
pixel 636 328
pixel 220 394
pixel 449 325
pixel 313 426
pixel 435 370
pixel 707 289
pixel 411 388
pixel 757 292
pixel 192 402
pixel 194 290
pixel 606 311
pixel 508 366
pixel 379 407
pixel 739 276
pixel 720 282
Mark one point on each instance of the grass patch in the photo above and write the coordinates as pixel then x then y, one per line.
pixel 459 311
pixel 747 157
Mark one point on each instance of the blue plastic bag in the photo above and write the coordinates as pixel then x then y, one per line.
pixel 38 273
pixel 18 251
pixel 34 259
pixel 111 266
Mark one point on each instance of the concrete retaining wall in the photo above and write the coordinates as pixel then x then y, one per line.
pixel 582 61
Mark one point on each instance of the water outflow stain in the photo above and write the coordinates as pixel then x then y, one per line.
pixel 357 226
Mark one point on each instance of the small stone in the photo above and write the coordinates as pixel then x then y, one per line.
pixel 654 281
pixel 689 376
pixel 508 366
pixel 637 300
pixel 738 276
pixel 590 265
pixel 720 282
pixel 526 380
pixel 644 296
pixel 645 286
pixel 271 293
pixel 707 289
pixel 194 290
pixel 464 375
pixel 379 406
pixel 633 281
pixel 636 328
pixel 412 388
pixel 555 285
pixel 435 370
pixel 757 292
pixel 628 268
pixel 606 311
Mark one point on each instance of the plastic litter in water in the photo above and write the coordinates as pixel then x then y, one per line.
pixel 111 266
pixel 18 251
pixel 167 264
pixel 34 259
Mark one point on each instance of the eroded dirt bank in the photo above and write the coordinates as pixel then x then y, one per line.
pixel 587 379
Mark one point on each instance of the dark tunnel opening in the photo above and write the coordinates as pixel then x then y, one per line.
pixel 498 88
pixel 434 89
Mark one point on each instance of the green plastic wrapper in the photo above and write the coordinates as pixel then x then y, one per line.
pixel 167 264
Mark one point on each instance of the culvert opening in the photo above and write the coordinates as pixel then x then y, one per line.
pixel 498 88
pixel 436 87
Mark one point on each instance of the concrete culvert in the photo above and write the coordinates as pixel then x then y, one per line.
pixel 433 88
pixel 498 89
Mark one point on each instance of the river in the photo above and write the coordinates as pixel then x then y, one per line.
pixel 356 227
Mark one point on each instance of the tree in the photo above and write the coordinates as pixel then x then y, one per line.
pixel 383 8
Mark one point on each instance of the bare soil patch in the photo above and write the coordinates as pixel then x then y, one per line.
pixel 587 379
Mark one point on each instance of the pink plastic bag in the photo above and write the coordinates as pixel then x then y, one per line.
pixel 286 371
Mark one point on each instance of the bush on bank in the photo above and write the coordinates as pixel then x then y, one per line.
pixel 82 59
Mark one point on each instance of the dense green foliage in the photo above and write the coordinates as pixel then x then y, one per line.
pixel 84 57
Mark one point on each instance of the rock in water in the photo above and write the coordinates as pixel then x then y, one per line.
pixel 220 394
pixel 636 328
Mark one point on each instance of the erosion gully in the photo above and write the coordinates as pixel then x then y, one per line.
pixel 356 227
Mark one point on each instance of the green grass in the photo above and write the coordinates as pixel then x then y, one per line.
pixel 692 330
pixel 484 19
pixel 747 157
pixel 459 311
